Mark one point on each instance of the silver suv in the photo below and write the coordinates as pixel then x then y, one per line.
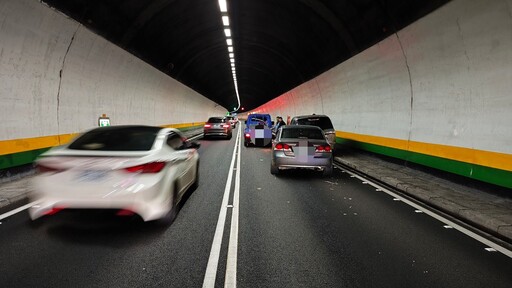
pixel 322 121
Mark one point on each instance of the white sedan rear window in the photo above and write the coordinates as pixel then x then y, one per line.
pixel 126 139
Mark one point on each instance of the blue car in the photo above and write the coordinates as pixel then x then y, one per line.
pixel 258 130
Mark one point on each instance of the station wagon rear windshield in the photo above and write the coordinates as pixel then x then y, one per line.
pixel 117 139
pixel 322 122
pixel 304 133
pixel 216 120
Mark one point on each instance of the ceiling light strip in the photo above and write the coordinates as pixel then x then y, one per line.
pixel 229 41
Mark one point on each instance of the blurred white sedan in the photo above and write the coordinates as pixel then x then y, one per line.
pixel 132 169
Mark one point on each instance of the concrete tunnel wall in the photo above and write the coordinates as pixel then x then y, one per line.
pixel 437 93
pixel 57 78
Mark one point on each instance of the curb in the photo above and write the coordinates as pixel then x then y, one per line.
pixel 463 205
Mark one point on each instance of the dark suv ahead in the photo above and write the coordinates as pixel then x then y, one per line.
pixel 322 121
pixel 217 126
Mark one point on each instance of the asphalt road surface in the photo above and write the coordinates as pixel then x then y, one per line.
pixel 294 230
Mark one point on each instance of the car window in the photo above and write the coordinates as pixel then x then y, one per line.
pixel 216 120
pixel 322 122
pixel 126 139
pixel 305 133
pixel 258 120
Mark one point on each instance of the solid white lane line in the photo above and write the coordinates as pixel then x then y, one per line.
pixel 213 260
pixel 17 210
pixel 230 280
pixel 453 225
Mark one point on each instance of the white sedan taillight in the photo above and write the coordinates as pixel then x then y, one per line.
pixel 153 167
pixel 47 169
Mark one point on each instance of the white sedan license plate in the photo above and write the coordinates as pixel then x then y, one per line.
pixel 92 176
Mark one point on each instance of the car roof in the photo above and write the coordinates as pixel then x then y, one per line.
pixel 157 129
pixel 311 115
pixel 127 127
pixel 300 127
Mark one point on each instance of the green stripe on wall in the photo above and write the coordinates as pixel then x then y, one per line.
pixel 486 174
pixel 21 158
pixel 190 128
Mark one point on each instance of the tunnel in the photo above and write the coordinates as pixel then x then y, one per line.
pixel 255 143
pixel 424 82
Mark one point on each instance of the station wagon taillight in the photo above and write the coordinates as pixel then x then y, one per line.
pixel 323 148
pixel 153 167
pixel 207 125
pixel 225 126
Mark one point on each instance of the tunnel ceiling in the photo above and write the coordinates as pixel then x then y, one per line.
pixel 278 44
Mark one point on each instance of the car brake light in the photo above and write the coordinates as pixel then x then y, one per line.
pixel 153 167
pixel 225 126
pixel 282 147
pixel 54 210
pixel 323 148
pixel 45 169
pixel 207 125
pixel 125 212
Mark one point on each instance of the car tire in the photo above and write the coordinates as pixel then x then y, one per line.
pixel 229 136
pixel 194 185
pixel 37 223
pixel 273 169
pixel 327 171
pixel 171 215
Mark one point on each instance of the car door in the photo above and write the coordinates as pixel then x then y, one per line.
pixel 184 161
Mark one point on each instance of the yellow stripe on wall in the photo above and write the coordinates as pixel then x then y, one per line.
pixel 183 125
pixel 479 157
pixel 28 144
